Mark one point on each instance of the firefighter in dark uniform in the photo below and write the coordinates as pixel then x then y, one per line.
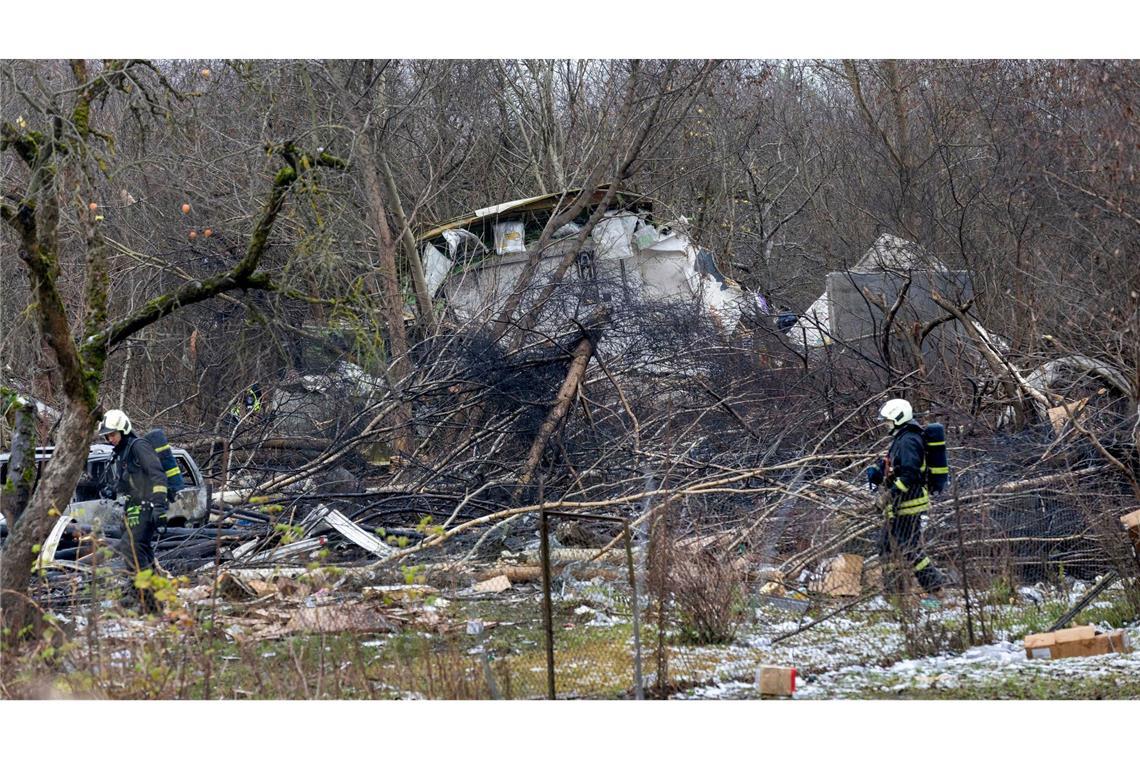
pixel 901 478
pixel 139 477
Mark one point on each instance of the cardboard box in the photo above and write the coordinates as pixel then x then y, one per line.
pixel 1081 641
pixel 1059 415
pixel 775 681
pixel 873 577
pixel 1131 522
pixel 843 576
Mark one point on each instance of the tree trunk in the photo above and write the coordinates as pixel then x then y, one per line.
pixel 52 495
pixel 415 265
pixel 22 464
pixel 392 299
pixel 581 359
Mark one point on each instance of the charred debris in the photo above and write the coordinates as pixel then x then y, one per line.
pixel 648 383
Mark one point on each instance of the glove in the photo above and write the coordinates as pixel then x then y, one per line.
pixel 134 515
pixel 886 498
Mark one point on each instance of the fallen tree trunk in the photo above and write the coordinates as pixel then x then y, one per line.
pixel 581 354
pixel 1009 375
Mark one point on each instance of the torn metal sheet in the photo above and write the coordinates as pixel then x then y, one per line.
pixel 464 245
pixel 290 550
pixel 47 553
pixel 436 267
pixel 523 205
pixel 784 603
pixel 357 535
pixel 237 553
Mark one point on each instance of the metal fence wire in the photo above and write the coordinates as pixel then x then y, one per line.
pixel 687 600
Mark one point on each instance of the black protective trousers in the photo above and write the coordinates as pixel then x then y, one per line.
pixel 137 544
pixel 903 536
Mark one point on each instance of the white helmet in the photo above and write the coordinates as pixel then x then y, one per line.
pixel 115 421
pixel 897 411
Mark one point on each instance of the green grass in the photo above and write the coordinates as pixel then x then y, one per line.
pixel 188 662
pixel 1021 685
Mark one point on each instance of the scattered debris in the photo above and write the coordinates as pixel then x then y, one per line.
pixel 403 594
pixel 493 585
pixel 791 603
pixel 841 576
pixel 337 618
pixel 234 589
pixel 1059 415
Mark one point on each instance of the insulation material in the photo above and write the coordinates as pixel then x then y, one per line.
pixel 567 230
pixel 813 330
pixel 891 253
pixel 630 255
pixel 436 267
pixel 645 235
pixel 510 237
pixel 612 236
pixel 721 301
pixel 665 268
pixel 674 267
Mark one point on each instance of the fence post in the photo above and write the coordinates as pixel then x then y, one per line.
pixel 638 693
pixel 547 609
pixel 962 560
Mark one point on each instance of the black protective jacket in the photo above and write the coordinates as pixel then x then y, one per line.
pixel 907 481
pixel 138 473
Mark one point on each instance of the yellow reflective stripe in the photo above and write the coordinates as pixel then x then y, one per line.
pixel 924 499
pixel 936 443
pixel 173 471
pixel 912 511
pixel 163 447
pixel 158 489
pixel 922 468
pixel 901 486
pixel 922 565
pixel 940 470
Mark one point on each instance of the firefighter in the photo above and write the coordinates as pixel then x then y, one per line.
pixel 901 478
pixel 141 483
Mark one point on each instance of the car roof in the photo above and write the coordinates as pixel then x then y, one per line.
pixel 99 452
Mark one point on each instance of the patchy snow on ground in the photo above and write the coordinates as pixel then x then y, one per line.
pixel 848 657
pixel 979 665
